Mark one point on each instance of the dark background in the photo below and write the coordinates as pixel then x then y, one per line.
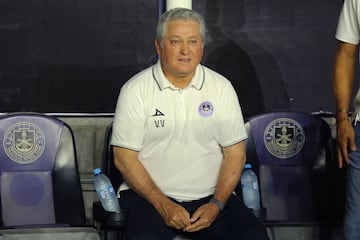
pixel 73 56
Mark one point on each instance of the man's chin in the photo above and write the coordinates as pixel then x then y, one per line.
pixel 186 72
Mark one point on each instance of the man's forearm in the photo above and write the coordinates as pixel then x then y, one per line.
pixel 343 76
pixel 230 172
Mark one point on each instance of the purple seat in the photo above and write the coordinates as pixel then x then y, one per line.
pixel 293 155
pixel 39 176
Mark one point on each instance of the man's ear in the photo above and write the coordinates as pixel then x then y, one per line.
pixel 158 47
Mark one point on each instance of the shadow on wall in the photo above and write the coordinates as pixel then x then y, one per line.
pixel 228 51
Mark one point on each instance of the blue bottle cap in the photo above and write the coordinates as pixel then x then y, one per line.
pixel 97 171
pixel 247 166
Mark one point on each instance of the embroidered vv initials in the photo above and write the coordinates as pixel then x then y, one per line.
pixel 160 123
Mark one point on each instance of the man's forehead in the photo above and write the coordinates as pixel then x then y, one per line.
pixel 182 26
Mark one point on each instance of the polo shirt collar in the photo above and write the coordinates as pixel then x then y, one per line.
pixel 197 81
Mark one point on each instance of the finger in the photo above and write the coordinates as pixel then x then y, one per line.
pixel 197 214
pixel 177 224
pixel 199 221
pixel 196 226
pixel 339 157
pixel 184 219
pixel 343 148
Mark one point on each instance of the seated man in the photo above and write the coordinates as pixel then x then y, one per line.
pixel 179 142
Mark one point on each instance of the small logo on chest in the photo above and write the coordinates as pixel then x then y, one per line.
pixel 159 123
pixel 206 109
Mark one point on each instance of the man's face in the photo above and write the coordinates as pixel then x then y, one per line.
pixel 181 50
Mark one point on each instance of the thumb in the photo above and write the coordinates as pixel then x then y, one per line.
pixel 352 145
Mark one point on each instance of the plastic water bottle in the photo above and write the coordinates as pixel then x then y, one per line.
pixel 105 191
pixel 250 188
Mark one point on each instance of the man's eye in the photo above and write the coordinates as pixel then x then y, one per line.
pixel 193 42
pixel 174 41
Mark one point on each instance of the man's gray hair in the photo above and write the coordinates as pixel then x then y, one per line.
pixel 178 14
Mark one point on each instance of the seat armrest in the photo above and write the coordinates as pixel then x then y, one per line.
pixel 108 219
pixel 260 213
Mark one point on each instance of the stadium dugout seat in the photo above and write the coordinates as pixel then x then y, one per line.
pixel 293 156
pixel 41 196
pixel 111 225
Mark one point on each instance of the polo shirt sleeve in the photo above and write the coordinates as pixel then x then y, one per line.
pixel 348 23
pixel 231 127
pixel 129 120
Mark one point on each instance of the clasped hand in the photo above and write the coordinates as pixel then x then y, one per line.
pixel 178 217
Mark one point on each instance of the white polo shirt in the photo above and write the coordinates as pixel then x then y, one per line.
pixel 348 24
pixel 179 132
pixel 348 30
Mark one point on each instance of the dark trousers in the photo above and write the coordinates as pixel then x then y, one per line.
pixel 234 222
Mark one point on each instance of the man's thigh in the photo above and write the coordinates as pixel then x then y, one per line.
pixel 143 221
pixel 235 222
pixel 352 198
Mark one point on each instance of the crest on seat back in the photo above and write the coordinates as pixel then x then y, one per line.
pixel 284 137
pixel 30 144
pixel 24 142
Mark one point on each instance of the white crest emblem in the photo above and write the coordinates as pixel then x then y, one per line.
pixel 24 142
pixel 284 137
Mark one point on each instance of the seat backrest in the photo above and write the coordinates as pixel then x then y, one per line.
pixel 109 168
pixel 291 152
pixel 39 176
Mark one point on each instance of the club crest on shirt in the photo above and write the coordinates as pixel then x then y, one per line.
pixel 284 137
pixel 206 109
pixel 24 142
